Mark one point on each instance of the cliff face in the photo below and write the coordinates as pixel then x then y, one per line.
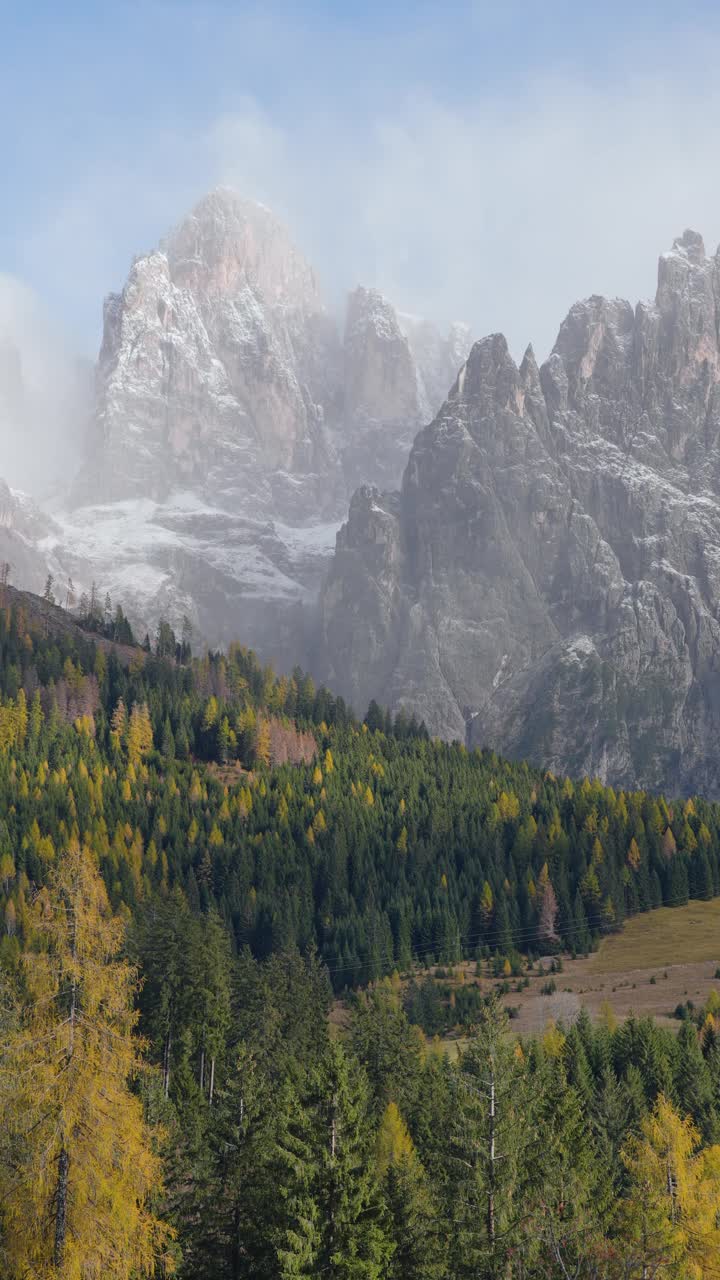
pixel 221 371
pixel 547 580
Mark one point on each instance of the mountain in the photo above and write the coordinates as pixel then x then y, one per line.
pixel 213 371
pixel 232 421
pixel 547 579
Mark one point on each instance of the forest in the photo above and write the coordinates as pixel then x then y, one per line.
pixel 214 883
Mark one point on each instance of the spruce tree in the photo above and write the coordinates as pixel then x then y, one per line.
pixel 334 1210
pixel 488 1151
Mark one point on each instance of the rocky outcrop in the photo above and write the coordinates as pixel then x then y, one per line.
pixel 397 370
pixel 547 580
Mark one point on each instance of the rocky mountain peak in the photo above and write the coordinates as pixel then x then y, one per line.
pixel 530 373
pixel 687 283
pixel 689 245
pixel 380 376
pixel 214 367
pixel 490 373
pixel 227 242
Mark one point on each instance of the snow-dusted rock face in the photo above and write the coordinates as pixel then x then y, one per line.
pixel 233 421
pixel 547 581
pixel 213 373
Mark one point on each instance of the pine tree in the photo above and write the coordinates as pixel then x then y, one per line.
pixel 262 742
pixel 573 1185
pixel 388 1046
pixel 168 740
pixel 228 1179
pixel 693 1082
pixel 139 733
pixel 81 1166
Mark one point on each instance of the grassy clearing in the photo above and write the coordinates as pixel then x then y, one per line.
pixel 658 961
pixel 670 935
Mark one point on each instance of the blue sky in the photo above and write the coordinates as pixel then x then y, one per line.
pixel 478 161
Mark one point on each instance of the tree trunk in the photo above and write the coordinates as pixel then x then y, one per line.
pixel 491 1170
pixel 64 1157
pixel 236 1251
pixel 166 1064
pixel 61 1208
pixel 212 1079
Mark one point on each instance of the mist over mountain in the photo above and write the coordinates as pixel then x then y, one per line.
pixel 45 396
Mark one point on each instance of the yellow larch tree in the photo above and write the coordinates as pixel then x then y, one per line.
pixel 670 1219
pixel 394 1143
pixel 262 742
pixel 78 1161
pixel 139 733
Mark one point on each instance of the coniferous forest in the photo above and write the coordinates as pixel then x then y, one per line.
pixel 219 889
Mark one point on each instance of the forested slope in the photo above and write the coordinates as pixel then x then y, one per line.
pixel 265 799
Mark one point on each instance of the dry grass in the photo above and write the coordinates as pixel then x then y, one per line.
pixel 670 935
pixel 658 961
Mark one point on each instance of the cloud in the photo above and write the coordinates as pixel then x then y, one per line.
pixel 498 200
pixel 44 393
pixel 502 211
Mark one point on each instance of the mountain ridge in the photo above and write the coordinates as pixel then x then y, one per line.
pixel 555 544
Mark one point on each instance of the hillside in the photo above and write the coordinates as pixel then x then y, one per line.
pixel 265 798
